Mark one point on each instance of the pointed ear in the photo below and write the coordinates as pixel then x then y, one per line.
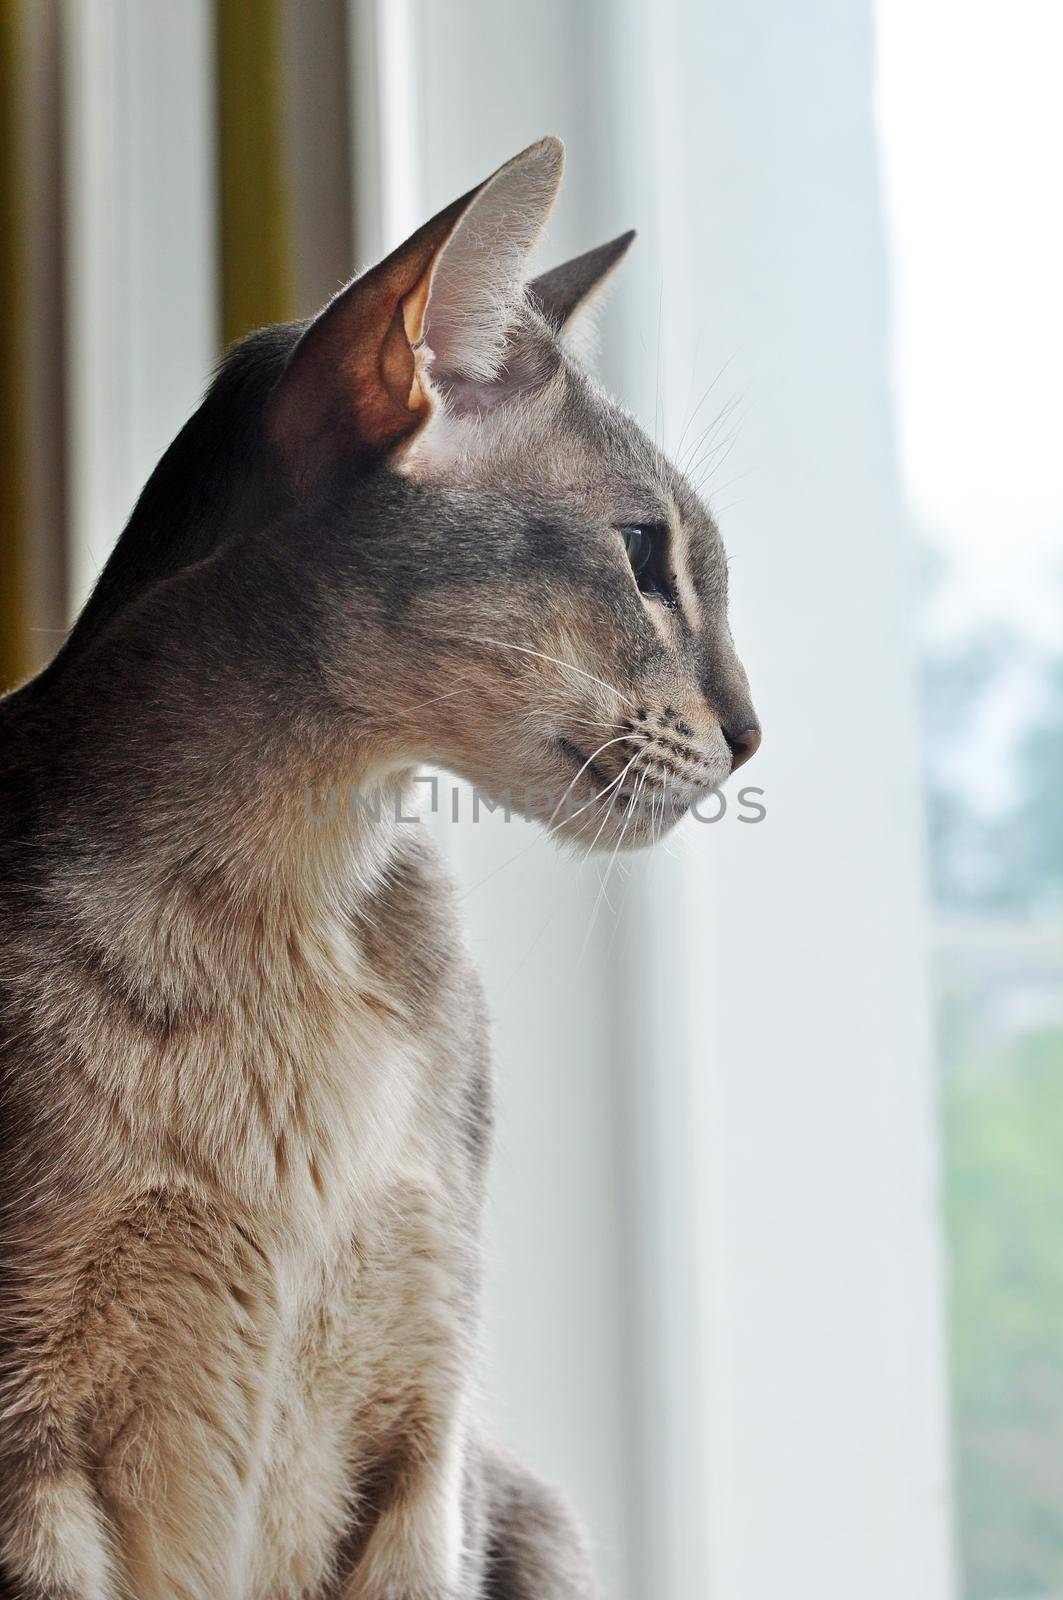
pixel 568 289
pixel 437 310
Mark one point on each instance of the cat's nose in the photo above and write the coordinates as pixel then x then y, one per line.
pixel 743 739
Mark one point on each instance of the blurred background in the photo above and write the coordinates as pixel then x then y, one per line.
pixel 776 1228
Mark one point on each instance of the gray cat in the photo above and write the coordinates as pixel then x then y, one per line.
pixel 245 1085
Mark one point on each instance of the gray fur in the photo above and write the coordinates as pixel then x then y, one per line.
pixel 560 292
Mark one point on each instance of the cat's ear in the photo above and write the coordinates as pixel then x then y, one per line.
pixel 569 290
pixel 436 311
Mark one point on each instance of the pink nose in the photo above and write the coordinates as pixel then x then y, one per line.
pixel 743 742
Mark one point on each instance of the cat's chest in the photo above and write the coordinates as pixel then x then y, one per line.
pixel 372 1240
pixel 364 1065
pixel 346 1118
pixel 343 1372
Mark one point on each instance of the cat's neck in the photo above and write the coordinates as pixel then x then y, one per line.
pixel 211 825
pixel 266 897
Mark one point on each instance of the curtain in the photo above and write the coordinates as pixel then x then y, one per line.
pixel 254 191
pixel 33 566
pixel 14 652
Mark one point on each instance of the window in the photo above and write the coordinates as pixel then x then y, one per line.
pixel 972 127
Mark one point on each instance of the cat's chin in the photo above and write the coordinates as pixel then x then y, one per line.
pixel 627 812
pixel 630 823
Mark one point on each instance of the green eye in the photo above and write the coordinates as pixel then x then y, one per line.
pixel 638 542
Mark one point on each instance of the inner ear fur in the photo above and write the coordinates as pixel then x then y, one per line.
pixel 350 390
pixel 357 382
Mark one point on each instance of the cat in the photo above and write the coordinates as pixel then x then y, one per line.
pixel 245 1097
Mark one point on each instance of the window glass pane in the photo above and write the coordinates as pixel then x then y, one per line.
pixel 972 127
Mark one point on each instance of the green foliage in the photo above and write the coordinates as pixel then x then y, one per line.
pixel 1003 1124
pixel 1037 824
pixel 983 858
pixel 1002 1111
pixel 969 847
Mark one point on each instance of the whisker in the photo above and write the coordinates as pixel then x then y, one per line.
pixel 721 488
pixel 612 859
pixel 526 650
pixel 466 688
pixel 709 459
pixel 701 402
pixel 710 429
pixel 726 427
pixel 589 803
pixel 539 838
pixel 609 811
pixel 724 447
pixel 595 722
pixel 588 763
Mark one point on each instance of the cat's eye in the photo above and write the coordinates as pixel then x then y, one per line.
pixel 639 546
pixel 645 544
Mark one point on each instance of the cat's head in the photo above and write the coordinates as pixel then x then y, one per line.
pixel 543 592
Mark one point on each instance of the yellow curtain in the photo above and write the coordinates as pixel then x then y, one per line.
pixel 256 252
pixel 14 621
pixel 255 223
